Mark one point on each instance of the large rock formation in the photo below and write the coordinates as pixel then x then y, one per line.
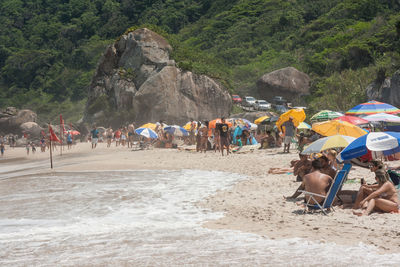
pixel 387 91
pixel 17 122
pixel 287 82
pixel 136 80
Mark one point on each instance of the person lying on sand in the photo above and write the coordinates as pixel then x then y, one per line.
pixel 298 167
pixel 381 197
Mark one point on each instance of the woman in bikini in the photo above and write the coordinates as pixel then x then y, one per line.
pixel 381 197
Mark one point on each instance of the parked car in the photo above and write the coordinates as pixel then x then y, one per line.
pixel 279 100
pixel 249 101
pixel 236 99
pixel 262 105
pixel 281 109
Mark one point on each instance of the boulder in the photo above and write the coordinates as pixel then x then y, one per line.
pixel 287 82
pixel 137 81
pixel 11 123
pixel 387 91
pixel 31 128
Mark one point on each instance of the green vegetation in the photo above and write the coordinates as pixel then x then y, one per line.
pixel 49 49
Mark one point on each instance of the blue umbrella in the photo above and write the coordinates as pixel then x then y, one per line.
pixel 146 132
pixel 176 130
pixel 386 142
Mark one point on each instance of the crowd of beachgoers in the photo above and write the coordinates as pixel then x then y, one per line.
pixel 316 171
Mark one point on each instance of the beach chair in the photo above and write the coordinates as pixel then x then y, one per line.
pixel 336 186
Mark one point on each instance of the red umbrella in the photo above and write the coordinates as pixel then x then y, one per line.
pixel 352 119
pixel 73 132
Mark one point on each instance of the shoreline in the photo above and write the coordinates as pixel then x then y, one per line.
pixel 254 205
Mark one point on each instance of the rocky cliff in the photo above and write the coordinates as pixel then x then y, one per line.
pixel 287 82
pixel 387 91
pixel 137 81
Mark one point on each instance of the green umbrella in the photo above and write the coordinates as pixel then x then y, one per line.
pixel 325 115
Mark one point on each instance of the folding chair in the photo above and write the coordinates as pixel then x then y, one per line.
pixel 337 184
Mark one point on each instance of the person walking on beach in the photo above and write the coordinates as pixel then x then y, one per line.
pixel 109 134
pixel 131 131
pixel 95 137
pixel 2 148
pixel 69 139
pixel 117 137
pixel 289 133
pixel 27 147
pixel 224 135
pixel 33 147
pixel 203 132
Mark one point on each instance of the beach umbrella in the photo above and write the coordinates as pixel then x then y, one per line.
pixel 262 119
pixel 212 124
pixel 149 125
pixel 304 126
pixel 73 132
pixel 384 117
pixel 298 116
pixel 329 128
pixel 176 130
pixel 352 119
pixel 334 141
pixel 146 132
pixel 325 115
pixel 386 142
pixel 188 125
pixel 372 107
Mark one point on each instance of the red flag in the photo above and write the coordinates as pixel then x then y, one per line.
pixel 53 136
pixel 62 123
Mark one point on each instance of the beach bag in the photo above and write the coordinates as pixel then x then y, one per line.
pixel 394 176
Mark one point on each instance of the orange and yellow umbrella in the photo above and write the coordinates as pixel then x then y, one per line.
pixel 334 127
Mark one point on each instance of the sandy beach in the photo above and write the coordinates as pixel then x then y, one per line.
pixel 254 205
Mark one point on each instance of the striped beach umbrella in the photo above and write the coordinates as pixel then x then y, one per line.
pixel 176 130
pixel 325 115
pixel 372 107
pixel 146 132
pixel 382 117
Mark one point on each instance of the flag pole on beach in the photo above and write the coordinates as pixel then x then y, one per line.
pixel 61 133
pixel 53 137
pixel 51 154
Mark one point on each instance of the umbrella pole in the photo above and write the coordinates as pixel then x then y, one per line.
pixel 51 155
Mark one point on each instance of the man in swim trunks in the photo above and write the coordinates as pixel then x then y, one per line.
pixel 290 130
pixel 314 182
pixel 95 137
pixel 224 136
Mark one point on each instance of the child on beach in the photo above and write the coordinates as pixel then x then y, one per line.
pixel 27 147
pixel 33 148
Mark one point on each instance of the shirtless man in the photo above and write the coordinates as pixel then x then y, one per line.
pixel 314 182
pixel 317 182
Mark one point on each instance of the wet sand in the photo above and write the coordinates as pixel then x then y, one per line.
pixel 255 205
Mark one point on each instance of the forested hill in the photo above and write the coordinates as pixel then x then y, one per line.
pixel 49 49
